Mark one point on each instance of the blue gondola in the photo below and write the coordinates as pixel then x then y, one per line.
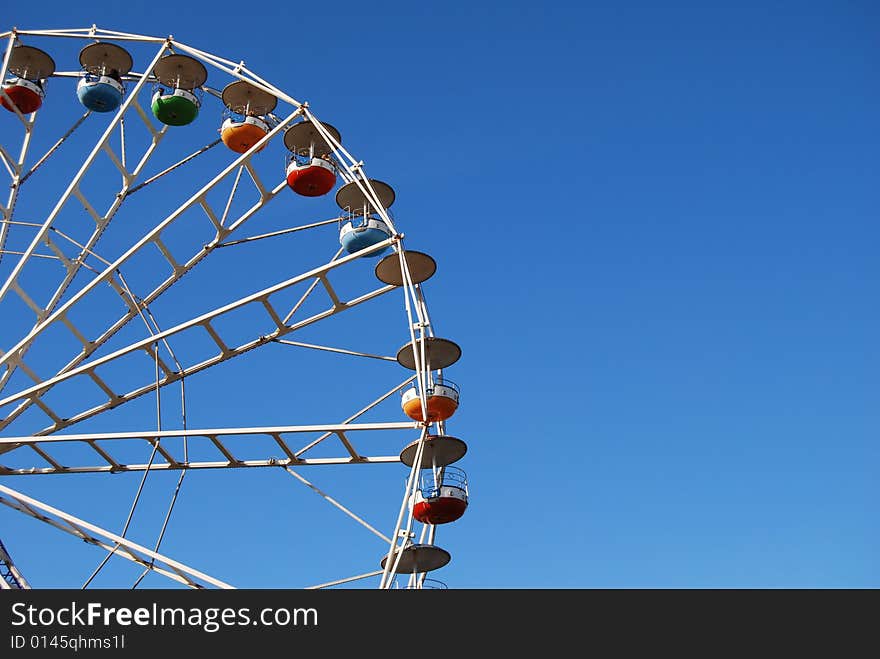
pixel 100 93
pixel 355 237
pixel 100 89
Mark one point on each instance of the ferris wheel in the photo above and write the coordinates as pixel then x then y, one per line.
pixel 143 176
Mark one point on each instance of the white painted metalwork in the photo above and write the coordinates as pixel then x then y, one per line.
pixel 339 582
pixel 101 443
pixel 95 535
pixel 333 501
pixel 277 328
pixel 82 271
pixel 10 577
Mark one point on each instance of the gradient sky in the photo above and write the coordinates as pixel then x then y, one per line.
pixel 656 231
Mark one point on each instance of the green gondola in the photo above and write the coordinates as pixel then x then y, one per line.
pixel 175 102
pixel 177 108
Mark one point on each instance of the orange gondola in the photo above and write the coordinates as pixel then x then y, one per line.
pixel 246 109
pixel 441 401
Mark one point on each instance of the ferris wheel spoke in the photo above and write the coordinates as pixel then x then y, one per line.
pixel 46 316
pixel 71 264
pixel 111 542
pixel 336 504
pixel 150 238
pixel 340 351
pixel 339 582
pixel 174 452
pixel 10 577
pixel 350 419
pixel 261 298
pixel 15 168
pixel 73 187
pixel 171 168
pixel 281 232
pixel 56 146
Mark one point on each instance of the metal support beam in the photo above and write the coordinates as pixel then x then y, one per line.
pixel 10 577
pixel 95 535
pixel 103 443
pixel 32 394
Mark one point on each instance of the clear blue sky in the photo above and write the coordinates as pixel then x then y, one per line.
pixel 656 229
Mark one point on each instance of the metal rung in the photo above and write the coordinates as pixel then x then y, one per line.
pixel 212 216
pixel 272 314
pixel 224 349
pixel 85 202
pixel 156 442
pixel 27 370
pixel 127 298
pixel 256 180
pixel 335 298
pixel 107 390
pixel 24 344
pixel 347 444
pixel 232 459
pixel 284 446
pixel 147 120
pixel 68 264
pixel 126 176
pixel 48 458
pixel 167 254
pixel 73 330
pixel 37 309
pixel 154 356
pixel 103 454
pixel 47 410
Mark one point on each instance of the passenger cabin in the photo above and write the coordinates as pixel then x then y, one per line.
pixel 175 99
pixel 100 89
pixel 442 496
pixel 311 170
pixel 245 121
pixel 442 399
pixel 24 88
pixel 361 224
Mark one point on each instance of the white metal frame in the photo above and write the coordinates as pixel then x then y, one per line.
pixel 95 535
pixel 280 322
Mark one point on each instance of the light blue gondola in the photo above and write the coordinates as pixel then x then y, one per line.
pixel 354 238
pixel 100 88
pixel 362 226
pixel 100 93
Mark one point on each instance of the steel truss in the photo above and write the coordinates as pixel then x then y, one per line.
pixel 77 254
pixel 100 444
pixel 10 577
pixel 95 535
